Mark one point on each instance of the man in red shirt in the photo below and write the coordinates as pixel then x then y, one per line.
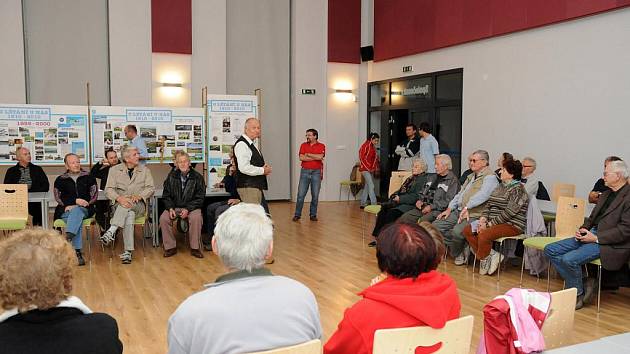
pixel 312 156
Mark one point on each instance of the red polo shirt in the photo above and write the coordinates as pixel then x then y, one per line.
pixel 317 148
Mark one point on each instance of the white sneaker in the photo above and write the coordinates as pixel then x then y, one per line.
pixel 462 258
pixel 495 261
pixel 107 237
pixel 125 257
pixel 483 265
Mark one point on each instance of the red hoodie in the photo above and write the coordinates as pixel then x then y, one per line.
pixel 367 157
pixel 430 300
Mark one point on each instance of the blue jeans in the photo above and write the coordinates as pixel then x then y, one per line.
pixel 314 179
pixel 74 225
pixel 568 256
pixel 368 188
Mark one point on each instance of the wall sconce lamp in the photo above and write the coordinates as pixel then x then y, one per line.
pixel 172 84
pixel 342 91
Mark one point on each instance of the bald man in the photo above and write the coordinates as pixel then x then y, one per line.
pixel 251 169
pixel 24 172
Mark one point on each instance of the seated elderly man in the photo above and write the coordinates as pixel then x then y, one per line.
pixel 600 187
pixel 39 315
pixel 248 309
pixel 404 199
pixel 529 179
pixel 467 205
pixel 184 192
pixel 605 235
pixel 129 186
pixel 76 193
pixel 25 172
pixel 436 194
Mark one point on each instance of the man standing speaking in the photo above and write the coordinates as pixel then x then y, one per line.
pixel 251 169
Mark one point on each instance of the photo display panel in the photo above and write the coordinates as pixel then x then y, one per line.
pixel 226 119
pixel 164 130
pixel 48 131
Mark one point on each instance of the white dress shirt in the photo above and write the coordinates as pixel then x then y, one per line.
pixel 243 156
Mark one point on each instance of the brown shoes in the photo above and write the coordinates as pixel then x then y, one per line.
pixel 170 252
pixel 196 253
pixel 296 218
pixel 313 218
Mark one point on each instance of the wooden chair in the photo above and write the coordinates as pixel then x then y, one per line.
pixel 562 190
pixel 13 207
pixel 569 217
pixel 396 180
pixel 558 327
pixel 311 347
pixel 455 338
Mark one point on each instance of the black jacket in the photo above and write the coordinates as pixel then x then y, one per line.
pixel 60 330
pixel 191 197
pixel 40 181
pixel 100 172
pixel 66 192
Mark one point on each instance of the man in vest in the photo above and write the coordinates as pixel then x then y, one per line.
pixel 251 169
pixel 466 206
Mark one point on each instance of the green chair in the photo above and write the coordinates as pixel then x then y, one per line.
pixel 569 217
pixel 140 220
pixel 349 184
pixel 13 207
pixel 369 209
pixel 87 223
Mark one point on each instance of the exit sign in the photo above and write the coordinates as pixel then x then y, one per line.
pixel 407 69
pixel 308 91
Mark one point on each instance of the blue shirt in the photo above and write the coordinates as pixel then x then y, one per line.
pixel 428 149
pixel 139 144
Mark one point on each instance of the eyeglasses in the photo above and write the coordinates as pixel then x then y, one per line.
pixel 528 166
pixel 475 160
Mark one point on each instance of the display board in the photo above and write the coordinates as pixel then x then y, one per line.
pixel 226 119
pixel 164 130
pixel 49 132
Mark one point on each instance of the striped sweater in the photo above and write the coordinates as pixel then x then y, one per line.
pixel 508 205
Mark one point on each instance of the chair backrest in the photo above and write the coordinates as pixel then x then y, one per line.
pixel 569 216
pixel 14 201
pixel 562 190
pixel 455 338
pixel 311 347
pixel 558 327
pixel 397 179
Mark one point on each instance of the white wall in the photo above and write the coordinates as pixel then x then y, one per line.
pixel 209 48
pixel 13 86
pixel 130 52
pixel 308 70
pixel 557 93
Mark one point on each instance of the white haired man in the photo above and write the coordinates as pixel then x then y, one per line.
pixel 248 309
pixel 129 186
pixel 529 178
pixel 605 235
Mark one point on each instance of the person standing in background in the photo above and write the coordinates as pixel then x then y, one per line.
pixel 312 154
pixel 369 166
pixel 24 172
pixel 131 132
pixel 409 148
pixel 429 147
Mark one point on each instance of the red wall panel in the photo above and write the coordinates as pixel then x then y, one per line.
pixel 405 27
pixel 171 26
pixel 344 31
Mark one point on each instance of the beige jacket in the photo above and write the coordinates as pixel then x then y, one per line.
pixel 119 184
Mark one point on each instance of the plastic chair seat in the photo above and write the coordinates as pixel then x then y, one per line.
pixel 12 224
pixel 597 262
pixel 501 239
pixel 348 183
pixel 549 217
pixel 539 243
pixel 61 223
pixel 372 209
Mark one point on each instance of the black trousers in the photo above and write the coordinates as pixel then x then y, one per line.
pixel 384 217
pixel 35 210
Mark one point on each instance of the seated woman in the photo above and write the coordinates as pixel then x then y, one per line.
pixel 404 199
pixel 505 214
pixel 39 314
pixel 412 292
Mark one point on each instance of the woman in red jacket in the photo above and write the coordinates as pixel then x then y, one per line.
pixel 369 165
pixel 411 294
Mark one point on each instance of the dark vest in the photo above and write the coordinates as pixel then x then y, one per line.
pixel 246 181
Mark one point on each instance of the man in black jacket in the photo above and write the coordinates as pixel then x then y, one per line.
pixel 24 172
pixel 184 192
pixel 101 171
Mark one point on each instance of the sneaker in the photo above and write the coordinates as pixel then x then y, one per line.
pixel 495 261
pixel 107 237
pixel 462 258
pixel 80 258
pixel 484 264
pixel 125 257
pixel 372 244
